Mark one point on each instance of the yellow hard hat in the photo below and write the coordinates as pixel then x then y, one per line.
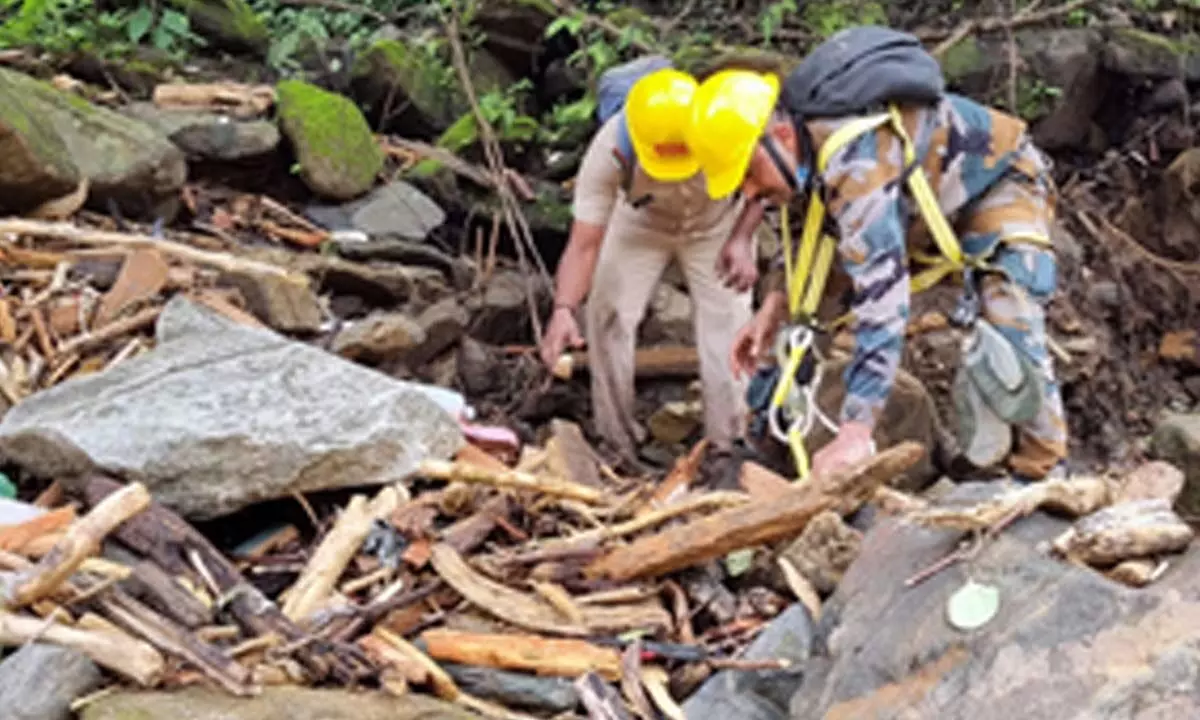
pixel 729 114
pixel 657 113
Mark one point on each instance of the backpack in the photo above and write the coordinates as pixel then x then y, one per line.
pixel 611 90
pixel 862 69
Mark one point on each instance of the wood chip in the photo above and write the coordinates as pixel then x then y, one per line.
pixel 143 276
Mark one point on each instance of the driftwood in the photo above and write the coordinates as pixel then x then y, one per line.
pixel 393 650
pixel 163 634
pixel 315 585
pixel 81 541
pixel 753 523
pixel 531 613
pixel 451 471
pixel 165 538
pixel 89 236
pixel 1073 496
pixel 116 651
pixel 600 699
pixel 527 653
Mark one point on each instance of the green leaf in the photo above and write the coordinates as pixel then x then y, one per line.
pixel 973 605
pixel 139 24
pixel 175 22
pixel 739 562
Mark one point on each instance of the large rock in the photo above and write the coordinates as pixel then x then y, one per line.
pixel 1131 51
pixel 208 136
pixel 37 164
pixel 1060 87
pixel 39 682
pixel 1065 643
pixel 397 210
pixel 275 703
pixel 338 155
pixel 233 23
pixel 122 159
pixel 1177 440
pixel 220 416
pixel 408 81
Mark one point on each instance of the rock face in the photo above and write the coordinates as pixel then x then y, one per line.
pixel 275 703
pixel 220 416
pixel 397 210
pixel 208 136
pixel 37 165
pixel 338 156
pixel 1177 440
pixel 39 682
pixel 232 22
pixel 122 159
pixel 1065 643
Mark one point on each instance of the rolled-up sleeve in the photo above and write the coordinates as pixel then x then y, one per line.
pixel 598 182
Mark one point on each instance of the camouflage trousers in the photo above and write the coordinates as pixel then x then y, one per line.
pixel 1014 301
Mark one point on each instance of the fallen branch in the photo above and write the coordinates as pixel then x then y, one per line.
pixel 1023 19
pixel 315 585
pixel 532 613
pixel 527 653
pixel 81 541
pixel 113 330
pixel 115 651
pixel 89 236
pixel 753 523
pixel 167 539
pixel 454 471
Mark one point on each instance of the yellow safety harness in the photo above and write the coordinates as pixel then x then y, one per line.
pixel 808 271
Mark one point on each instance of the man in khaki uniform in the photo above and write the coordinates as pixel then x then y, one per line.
pixel 622 240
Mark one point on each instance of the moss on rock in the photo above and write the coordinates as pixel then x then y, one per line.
pixel 963 59
pixel 233 22
pixel 339 157
pixel 37 164
pixel 415 71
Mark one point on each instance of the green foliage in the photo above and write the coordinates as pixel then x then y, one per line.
pixel 829 16
pixel 67 25
pixel 772 16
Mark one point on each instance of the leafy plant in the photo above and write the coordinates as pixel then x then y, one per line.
pixel 772 16
pixel 502 108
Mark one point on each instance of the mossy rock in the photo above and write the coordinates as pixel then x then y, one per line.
pixel 231 22
pixel 37 165
pixel 413 72
pixel 123 159
pixel 339 157
pixel 1135 52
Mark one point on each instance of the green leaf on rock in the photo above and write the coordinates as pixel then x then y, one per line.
pixel 973 605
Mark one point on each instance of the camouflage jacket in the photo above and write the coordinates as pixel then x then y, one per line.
pixel 966 149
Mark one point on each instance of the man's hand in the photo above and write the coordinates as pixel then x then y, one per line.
pixel 755 338
pixel 852 444
pixel 562 331
pixel 736 265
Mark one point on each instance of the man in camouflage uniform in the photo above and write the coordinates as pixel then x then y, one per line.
pixel 992 184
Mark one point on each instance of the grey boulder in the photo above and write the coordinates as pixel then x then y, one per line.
pixel 220 416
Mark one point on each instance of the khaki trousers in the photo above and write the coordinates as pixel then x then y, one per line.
pixel 632 260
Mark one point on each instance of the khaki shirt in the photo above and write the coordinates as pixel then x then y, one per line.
pixel 675 208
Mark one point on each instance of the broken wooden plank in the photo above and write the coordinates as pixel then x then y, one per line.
pixel 143 276
pixel 753 523
pixel 527 653
pixel 451 471
pixel 531 613
pixel 167 539
pixel 130 658
pixel 81 541
pixel 316 584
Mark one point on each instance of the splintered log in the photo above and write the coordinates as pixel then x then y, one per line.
pixel 114 650
pixel 650 362
pixel 753 523
pixel 512 479
pixel 527 653
pixel 81 541
pixel 167 539
pixel 315 585
pixel 531 612
pixel 174 640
